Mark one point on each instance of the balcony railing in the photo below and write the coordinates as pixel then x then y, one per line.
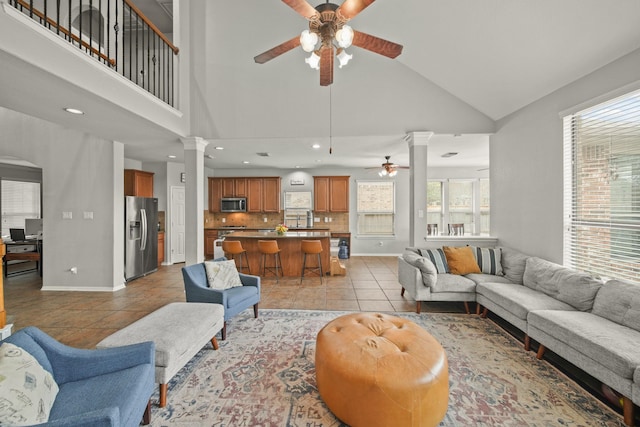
pixel 114 32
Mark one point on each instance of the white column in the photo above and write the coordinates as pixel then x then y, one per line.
pixel 194 199
pixel 418 145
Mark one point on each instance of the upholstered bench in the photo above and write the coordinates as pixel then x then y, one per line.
pixel 378 370
pixel 179 331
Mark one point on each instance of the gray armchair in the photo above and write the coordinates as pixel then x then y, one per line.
pixel 234 300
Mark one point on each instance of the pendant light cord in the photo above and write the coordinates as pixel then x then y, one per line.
pixel 330 123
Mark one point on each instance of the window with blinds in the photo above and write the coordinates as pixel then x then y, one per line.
pixel 376 207
pixel 602 189
pixel 19 200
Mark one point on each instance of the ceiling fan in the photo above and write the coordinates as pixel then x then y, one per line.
pixel 388 168
pixel 327 25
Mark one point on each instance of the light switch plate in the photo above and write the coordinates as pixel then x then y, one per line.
pixel 88 215
pixel 67 215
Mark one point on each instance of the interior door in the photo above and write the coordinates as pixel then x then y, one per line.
pixel 177 225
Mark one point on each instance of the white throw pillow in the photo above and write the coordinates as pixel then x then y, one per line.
pixel 27 390
pixel 222 274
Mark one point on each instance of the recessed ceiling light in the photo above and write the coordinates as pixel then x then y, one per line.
pixel 219 148
pixel 449 154
pixel 171 156
pixel 318 161
pixel 298 167
pixel 246 162
pixel 316 146
pixel 74 111
pixel 209 156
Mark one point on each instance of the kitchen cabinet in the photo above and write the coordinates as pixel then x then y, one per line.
pixel 254 195
pixel 234 187
pixel 160 247
pixel 215 194
pixel 225 187
pixel 210 237
pixel 138 183
pixel 331 193
pixel 263 195
pixel 271 194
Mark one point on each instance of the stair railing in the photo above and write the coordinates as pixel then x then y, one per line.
pixel 116 33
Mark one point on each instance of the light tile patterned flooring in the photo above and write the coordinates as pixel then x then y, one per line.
pixel 82 319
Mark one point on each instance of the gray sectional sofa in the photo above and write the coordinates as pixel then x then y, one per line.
pixel 593 325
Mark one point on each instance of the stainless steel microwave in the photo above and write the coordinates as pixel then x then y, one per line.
pixel 233 204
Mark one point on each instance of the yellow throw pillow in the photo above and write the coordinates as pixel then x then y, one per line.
pixel 461 260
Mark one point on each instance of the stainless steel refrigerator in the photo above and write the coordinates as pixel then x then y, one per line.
pixel 141 236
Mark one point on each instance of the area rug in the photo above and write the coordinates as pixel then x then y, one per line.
pixel 263 375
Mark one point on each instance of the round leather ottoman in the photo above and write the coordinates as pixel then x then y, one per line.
pixel 378 370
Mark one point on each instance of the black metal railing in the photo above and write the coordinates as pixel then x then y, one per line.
pixel 116 33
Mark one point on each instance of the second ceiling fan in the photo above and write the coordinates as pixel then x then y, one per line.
pixel 327 25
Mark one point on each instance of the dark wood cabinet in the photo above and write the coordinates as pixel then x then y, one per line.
pixel 225 187
pixel 331 193
pixel 215 194
pixel 271 194
pixel 160 247
pixel 138 183
pixel 210 237
pixel 254 195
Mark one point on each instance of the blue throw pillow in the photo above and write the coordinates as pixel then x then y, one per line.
pixel 489 260
pixel 438 258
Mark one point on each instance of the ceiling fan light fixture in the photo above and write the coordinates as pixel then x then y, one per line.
pixel 343 57
pixel 383 172
pixel 308 41
pixel 313 60
pixel 344 36
pixel 393 173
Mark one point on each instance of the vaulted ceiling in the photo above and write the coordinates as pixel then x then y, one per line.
pixel 465 64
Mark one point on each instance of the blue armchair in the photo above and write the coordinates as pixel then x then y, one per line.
pixel 233 300
pixel 109 387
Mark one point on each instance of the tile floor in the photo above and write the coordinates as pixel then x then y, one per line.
pixel 82 319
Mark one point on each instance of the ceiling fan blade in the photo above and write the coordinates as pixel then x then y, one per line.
pixel 350 8
pixel 304 9
pixel 326 65
pixel 278 50
pixel 376 44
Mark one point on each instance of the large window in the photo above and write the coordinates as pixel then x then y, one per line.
pixel 602 189
pixel 20 200
pixel 376 207
pixel 459 201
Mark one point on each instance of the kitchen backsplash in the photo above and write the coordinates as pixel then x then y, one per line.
pixel 339 221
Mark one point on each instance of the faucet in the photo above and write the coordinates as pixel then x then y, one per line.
pixel 298 221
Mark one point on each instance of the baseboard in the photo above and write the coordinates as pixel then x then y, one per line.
pixel 371 255
pixel 82 289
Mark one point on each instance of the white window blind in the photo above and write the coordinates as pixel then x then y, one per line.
pixel 602 189
pixel 20 200
pixel 376 202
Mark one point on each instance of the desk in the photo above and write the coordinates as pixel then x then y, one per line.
pixel 27 250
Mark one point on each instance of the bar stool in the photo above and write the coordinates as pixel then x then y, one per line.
pixel 233 248
pixel 270 247
pixel 311 247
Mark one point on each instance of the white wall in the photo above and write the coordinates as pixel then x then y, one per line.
pixel 526 162
pixel 77 176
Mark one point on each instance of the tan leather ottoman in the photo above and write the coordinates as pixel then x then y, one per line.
pixel 378 370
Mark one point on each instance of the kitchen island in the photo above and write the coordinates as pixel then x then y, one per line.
pixel 289 244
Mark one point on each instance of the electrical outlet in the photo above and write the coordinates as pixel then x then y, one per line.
pixel 224 220
pixel 264 219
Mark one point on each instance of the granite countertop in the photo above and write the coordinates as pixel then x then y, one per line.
pixel 274 235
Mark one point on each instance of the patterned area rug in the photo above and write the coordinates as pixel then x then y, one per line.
pixel 263 375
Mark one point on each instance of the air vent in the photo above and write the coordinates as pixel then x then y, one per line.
pixel 264 154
